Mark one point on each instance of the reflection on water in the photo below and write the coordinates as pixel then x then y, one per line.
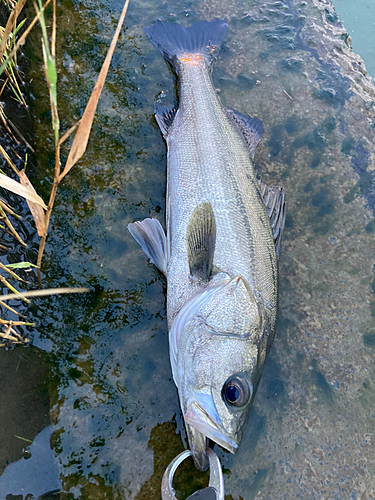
pixel 37 473
pixel 360 25
pixel 25 401
pixel 114 406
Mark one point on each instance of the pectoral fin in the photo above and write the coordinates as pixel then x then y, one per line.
pixel 150 235
pixel 274 201
pixel 200 238
pixel 251 128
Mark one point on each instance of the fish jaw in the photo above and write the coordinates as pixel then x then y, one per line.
pixel 203 422
pixel 196 416
pixel 198 446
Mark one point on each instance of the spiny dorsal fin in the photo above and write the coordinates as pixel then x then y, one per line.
pixel 274 201
pixel 251 128
pixel 149 234
pixel 164 116
pixel 200 238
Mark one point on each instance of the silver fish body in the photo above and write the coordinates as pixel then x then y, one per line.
pixel 219 254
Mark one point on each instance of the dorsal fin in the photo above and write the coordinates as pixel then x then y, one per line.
pixel 274 201
pixel 200 239
pixel 251 128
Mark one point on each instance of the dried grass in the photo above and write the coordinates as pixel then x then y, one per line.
pixel 40 211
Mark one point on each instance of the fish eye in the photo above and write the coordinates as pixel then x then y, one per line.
pixel 236 391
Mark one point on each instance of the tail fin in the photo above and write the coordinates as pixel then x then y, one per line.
pixel 173 40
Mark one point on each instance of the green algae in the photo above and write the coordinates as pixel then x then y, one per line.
pixel 370 227
pixel 275 142
pixel 369 339
pixel 347 145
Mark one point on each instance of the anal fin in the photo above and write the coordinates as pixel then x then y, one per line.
pixel 200 239
pixel 250 128
pixel 150 235
pixel 274 201
pixel 164 116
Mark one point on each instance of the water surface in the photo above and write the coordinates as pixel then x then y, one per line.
pixel 359 19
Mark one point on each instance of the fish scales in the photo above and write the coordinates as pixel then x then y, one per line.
pixel 208 160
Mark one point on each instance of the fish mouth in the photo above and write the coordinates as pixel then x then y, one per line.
pixel 207 424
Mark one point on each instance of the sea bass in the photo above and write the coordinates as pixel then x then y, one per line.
pixel 220 251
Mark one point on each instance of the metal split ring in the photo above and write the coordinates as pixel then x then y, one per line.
pixel 216 475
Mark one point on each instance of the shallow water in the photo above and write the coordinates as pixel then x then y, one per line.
pixel 97 383
pixel 359 19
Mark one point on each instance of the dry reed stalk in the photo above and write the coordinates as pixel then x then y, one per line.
pixel 22 39
pixel 42 293
pixel 4 217
pixel 5 155
pixel 80 141
pixel 3 304
pixel 8 209
pixel 12 273
pixel 16 293
pixel 14 323
pixel 78 148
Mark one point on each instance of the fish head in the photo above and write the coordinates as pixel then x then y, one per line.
pixel 215 365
